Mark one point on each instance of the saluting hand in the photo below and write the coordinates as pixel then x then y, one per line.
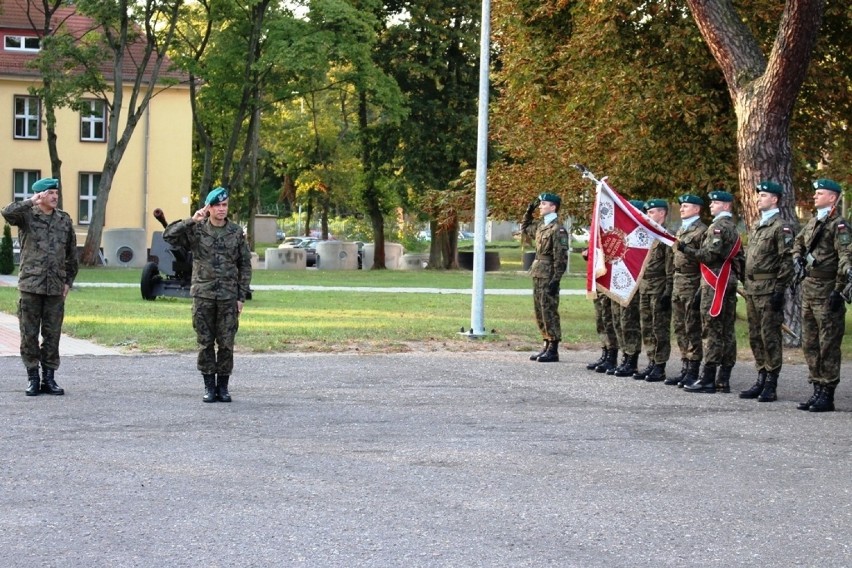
pixel 201 214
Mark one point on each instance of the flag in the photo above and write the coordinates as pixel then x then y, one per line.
pixel 621 238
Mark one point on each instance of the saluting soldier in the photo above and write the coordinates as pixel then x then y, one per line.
pixel 628 327
pixel 686 283
pixel 655 303
pixel 768 272
pixel 721 258
pixel 822 250
pixel 221 276
pixel 551 261
pixel 48 269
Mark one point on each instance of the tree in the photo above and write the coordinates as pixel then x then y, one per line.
pixel 7 254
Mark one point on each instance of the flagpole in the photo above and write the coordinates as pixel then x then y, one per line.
pixel 477 311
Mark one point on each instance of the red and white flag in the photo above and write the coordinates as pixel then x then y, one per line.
pixel 620 240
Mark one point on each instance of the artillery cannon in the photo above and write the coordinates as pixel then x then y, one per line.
pixel 170 271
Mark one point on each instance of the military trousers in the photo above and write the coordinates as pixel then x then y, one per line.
pixel 627 325
pixel 40 315
pixel 215 323
pixel 546 310
pixel 656 323
pixel 822 335
pixel 686 315
pixel 603 322
pixel 764 333
pixel 718 335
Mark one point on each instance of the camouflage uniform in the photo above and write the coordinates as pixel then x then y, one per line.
pixel 655 305
pixel 551 261
pixel 48 264
pixel 685 283
pixel 822 327
pixel 221 275
pixel 768 271
pixel 603 322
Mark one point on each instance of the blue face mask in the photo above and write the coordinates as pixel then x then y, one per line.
pixel 549 218
pixel 686 223
pixel 767 215
pixel 822 213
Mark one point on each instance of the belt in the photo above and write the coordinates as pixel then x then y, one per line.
pixel 822 274
pixel 763 276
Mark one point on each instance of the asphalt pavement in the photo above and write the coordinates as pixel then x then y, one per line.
pixel 415 459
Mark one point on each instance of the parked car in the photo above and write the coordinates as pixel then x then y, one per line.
pixel 465 236
pixel 279 235
pixel 310 246
pixel 292 241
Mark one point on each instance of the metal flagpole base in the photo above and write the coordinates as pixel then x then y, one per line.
pixel 471 334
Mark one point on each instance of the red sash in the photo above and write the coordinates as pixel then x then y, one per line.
pixel 720 283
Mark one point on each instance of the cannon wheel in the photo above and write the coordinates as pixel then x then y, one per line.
pixel 150 278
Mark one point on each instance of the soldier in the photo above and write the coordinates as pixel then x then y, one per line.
pixel 628 327
pixel 686 284
pixel 221 275
pixel 822 252
pixel 655 303
pixel 551 261
pixel 721 257
pixel 47 271
pixel 606 333
pixel 768 272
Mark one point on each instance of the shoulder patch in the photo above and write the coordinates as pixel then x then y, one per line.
pixel 842 227
pixel 787 230
pixel 717 231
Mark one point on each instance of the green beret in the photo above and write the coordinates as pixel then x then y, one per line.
pixel 45 183
pixel 550 198
pixel 828 184
pixel 691 199
pixel 770 187
pixel 638 204
pixel 216 195
pixel 720 195
pixel 654 203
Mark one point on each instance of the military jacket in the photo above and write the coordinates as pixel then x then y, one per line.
pixel 768 266
pixel 718 241
pixel 48 248
pixel 830 258
pixel 659 271
pixel 691 237
pixel 221 260
pixel 551 248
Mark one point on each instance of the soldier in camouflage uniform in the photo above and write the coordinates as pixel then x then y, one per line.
pixel 47 271
pixel 221 275
pixel 551 261
pixel 655 303
pixel 719 248
pixel 628 327
pixel 822 251
pixel 768 272
pixel 606 333
pixel 686 284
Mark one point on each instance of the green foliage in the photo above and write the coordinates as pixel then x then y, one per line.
pixel 7 255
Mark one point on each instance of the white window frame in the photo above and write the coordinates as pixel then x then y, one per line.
pixel 27 43
pixel 22 183
pixel 88 195
pixel 93 122
pixel 27 117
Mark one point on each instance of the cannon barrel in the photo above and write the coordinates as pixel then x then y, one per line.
pixel 161 217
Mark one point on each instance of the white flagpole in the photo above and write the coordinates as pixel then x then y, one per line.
pixel 477 312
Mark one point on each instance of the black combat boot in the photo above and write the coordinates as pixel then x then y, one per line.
pixel 48 385
pixel 610 362
pixel 209 387
pixel 757 387
pixel 643 374
pixel 628 366
pixel 552 353
pixel 691 374
pixel 32 376
pixel 676 379
pixel 222 388
pixel 657 374
pixel 768 393
pixel 723 379
pixel 593 365
pixel 707 382
pixel 542 352
pixel 825 400
pixel 807 404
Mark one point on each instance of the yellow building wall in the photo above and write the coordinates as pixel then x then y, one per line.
pixel 155 170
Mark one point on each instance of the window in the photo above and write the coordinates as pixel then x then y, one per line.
pixel 27 118
pixel 22 43
pixel 88 195
pixel 93 122
pixel 24 180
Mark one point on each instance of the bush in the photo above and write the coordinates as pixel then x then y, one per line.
pixel 7 256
